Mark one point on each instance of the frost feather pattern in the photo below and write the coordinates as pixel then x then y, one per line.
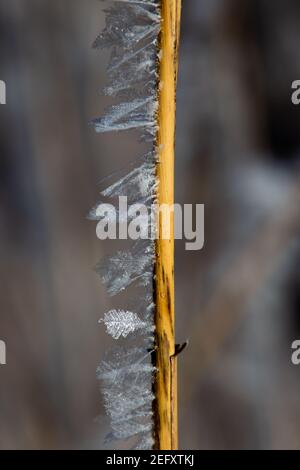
pixel 121 323
pixel 127 380
pixel 131 31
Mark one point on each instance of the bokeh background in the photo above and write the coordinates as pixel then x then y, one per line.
pixel 238 152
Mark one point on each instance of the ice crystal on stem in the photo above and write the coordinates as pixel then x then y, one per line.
pixel 121 323
pixel 131 31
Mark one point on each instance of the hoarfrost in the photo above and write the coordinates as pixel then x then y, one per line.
pixel 121 323
pixel 133 73
pixel 131 31
pixel 129 429
pixel 147 442
pixel 127 25
pixel 140 184
pixel 124 116
pixel 127 267
pixel 120 404
pixel 127 379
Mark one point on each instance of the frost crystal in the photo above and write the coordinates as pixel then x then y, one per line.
pixel 137 113
pixel 122 323
pixel 139 185
pixel 124 268
pixel 131 31
pixel 126 378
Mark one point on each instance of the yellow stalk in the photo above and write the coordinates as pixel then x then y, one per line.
pixel 165 386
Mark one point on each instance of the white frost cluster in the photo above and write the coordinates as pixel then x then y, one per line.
pixel 121 323
pixel 127 381
pixel 124 268
pixel 140 184
pixel 131 31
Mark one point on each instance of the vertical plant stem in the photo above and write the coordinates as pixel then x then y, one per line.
pixel 165 386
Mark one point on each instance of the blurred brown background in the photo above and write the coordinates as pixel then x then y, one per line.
pixel 238 149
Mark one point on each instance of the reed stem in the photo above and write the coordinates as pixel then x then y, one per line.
pixel 165 386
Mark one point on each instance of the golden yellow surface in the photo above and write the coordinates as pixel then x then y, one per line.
pixel 165 386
